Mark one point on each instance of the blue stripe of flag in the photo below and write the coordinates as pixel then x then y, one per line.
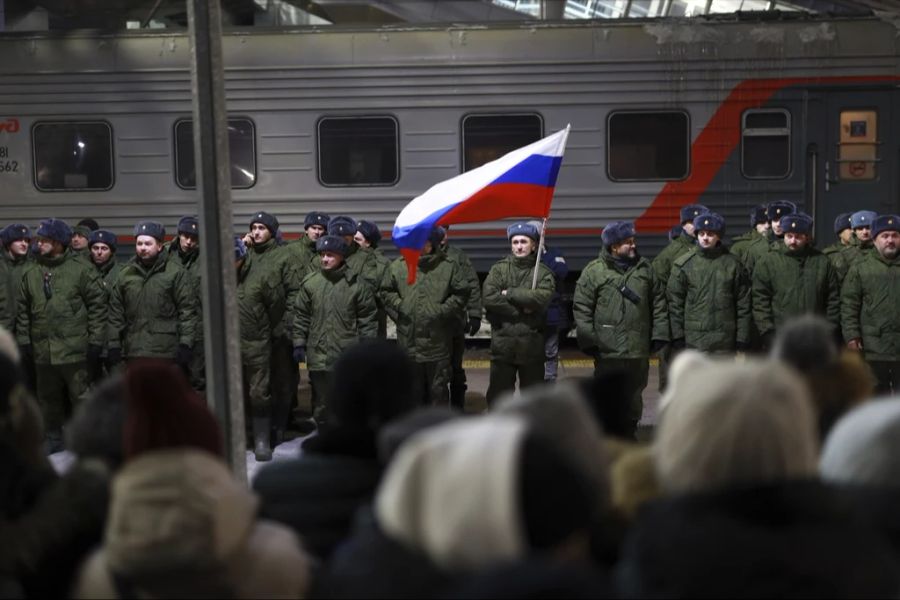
pixel 537 169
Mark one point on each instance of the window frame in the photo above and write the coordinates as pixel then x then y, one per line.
pixel 318 142
pixel 653 111
pixel 768 132
pixel 462 130
pixel 112 156
pixel 227 119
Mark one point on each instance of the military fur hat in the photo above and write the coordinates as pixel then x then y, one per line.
pixel 758 215
pixel 885 223
pixel 240 248
pixel 82 230
pixel 14 232
pixel 331 243
pixel 316 218
pixel 779 208
pixel 56 230
pixel 841 223
pixel 863 218
pixel 266 219
pixel 189 225
pixel 692 211
pixel 616 232
pixel 523 228
pixel 675 232
pixel 342 225
pixel 369 230
pixel 102 236
pixel 151 228
pixel 797 223
pixel 710 222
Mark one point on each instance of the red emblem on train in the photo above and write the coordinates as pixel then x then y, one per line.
pixel 9 126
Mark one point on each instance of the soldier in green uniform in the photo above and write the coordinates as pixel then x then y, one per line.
pixel 368 237
pixel 620 312
pixel 315 225
pixel 662 268
pixel 469 323
pixel 185 250
pixel 517 312
pixel 335 309
pixel 870 312
pixel 709 294
pixel 103 245
pixel 835 252
pixel 15 240
pixel 81 234
pixel 757 249
pixel 794 280
pixel 759 231
pixel 60 320
pixel 426 313
pixel 861 243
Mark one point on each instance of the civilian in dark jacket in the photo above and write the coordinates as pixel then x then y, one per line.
pixel 557 319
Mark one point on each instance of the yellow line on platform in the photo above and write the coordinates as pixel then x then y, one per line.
pixel 567 363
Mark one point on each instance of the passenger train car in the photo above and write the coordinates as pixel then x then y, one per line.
pixel 729 112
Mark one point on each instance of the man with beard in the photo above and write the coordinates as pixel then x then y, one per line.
pixel 870 312
pixel 60 320
pixel 517 313
pixel 620 313
pixel 335 309
pixel 14 242
pixel 794 280
pixel 709 294
pixel 153 306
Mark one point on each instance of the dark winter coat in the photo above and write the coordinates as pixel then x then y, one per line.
pixel 870 306
pixel 741 244
pixel 190 261
pixel 556 262
pixel 10 280
pixel 261 301
pixel 518 318
pixel 662 264
pixel 473 308
pixel 275 263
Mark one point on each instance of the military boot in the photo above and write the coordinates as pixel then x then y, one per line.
pixel 261 449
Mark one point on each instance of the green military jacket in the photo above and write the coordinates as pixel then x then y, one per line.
pixel 303 251
pixel 10 280
pixel 427 311
pixel 870 308
pixel 190 261
pixel 741 244
pixel 855 252
pixel 619 326
pixel 787 284
pixel 377 268
pixel 662 264
pixel 109 272
pixel 757 249
pixel 261 304
pixel 60 327
pixel 473 308
pixel 709 300
pixel 835 253
pixel 517 318
pixel 273 262
pixel 335 310
pixel 153 309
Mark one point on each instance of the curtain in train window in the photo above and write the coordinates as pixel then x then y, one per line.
pixel 488 137
pixel 241 149
pixel 72 156
pixel 358 151
pixel 766 144
pixel 648 146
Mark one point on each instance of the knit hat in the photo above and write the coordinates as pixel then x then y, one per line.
pixel 342 225
pixel 863 448
pixel 758 215
pixel 56 230
pixel 710 222
pixel 331 243
pixel 862 218
pixel 797 223
pixel 616 232
pixel 885 223
pixel 163 412
pixel 189 225
pixel 779 208
pixel 369 230
pixel 240 248
pixel 523 228
pixel 692 211
pixel 842 222
pixel 82 230
pixel 102 236
pixel 91 224
pixel 316 218
pixel 14 232
pixel 266 219
pixel 151 228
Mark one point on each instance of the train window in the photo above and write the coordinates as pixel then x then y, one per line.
pixel 766 144
pixel 241 150
pixel 72 156
pixel 648 146
pixel 488 137
pixel 358 151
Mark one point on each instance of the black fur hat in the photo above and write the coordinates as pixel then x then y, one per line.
pixel 841 223
pixel 797 223
pixel 692 211
pixel 14 232
pixel 369 230
pixel 885 223
pixel 151 228
pixel 316 218
pixel 616 232
pixel 710 222
pixel 189 225
pixel 779 208
pixel 56 230
pixel 342 225
pixel 758 215
pixel 266 219
pixel 103 236
pixel 331 243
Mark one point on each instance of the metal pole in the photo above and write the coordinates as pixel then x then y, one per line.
pixel 224 387
pixel 540 248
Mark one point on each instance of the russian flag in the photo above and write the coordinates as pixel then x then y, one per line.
pixel 518 184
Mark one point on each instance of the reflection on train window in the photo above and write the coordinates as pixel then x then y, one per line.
pixel 358 151
pixel 72 156
pixel 858 148
pixel 766 144
pixel 488 137
pixel 648 145
pixel 241 150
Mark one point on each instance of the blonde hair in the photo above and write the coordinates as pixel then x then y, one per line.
pixel 735 425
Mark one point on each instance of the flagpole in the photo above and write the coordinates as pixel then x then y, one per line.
pixel 537 262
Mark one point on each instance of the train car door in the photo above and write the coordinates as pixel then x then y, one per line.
pixel 860 160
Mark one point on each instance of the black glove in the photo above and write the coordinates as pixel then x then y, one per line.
pixel 742 346
pixel 94 367
pixel 656 346
pixel 678 344
pixel 474 325
pixel 113 358
pixel 183 356
pixel 299 354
